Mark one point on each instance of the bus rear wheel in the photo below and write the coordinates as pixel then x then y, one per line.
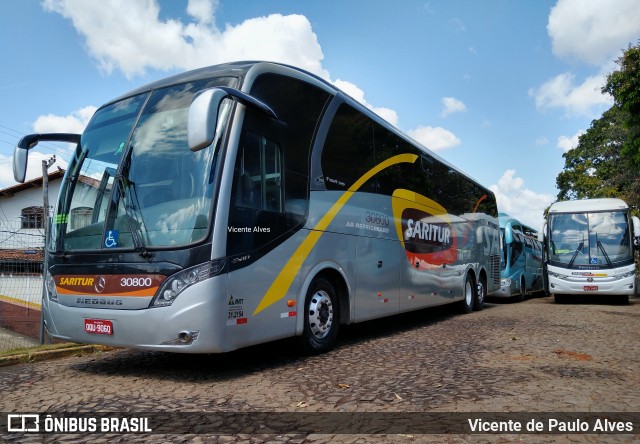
pixel 321 318
pixel 481 295
pixel 466 305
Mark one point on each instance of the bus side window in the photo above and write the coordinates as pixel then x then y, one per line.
pixel 256 214
pixel 258 174
pixel 516 247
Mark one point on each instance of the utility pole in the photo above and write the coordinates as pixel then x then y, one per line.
pixel 45 221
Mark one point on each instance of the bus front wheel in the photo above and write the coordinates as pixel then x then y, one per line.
pixel 520 297
pixel 321 317
pixel 561 298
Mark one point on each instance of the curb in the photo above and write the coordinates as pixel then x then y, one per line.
pixel 45 355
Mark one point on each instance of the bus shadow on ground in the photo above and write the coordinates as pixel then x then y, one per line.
pixel 280 354
pixel 595 299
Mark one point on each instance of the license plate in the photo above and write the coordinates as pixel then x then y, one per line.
pixel 590 288
pixel 98 326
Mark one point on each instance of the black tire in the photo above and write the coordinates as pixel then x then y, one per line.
pixel 481 295
pixel 622 299
pixel 321 317
pixel 469 293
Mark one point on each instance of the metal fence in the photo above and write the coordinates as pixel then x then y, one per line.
pixel 21 255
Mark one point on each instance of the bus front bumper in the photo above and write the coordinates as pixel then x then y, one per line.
pixel 624 286
pixel 508 288
pixel 194 323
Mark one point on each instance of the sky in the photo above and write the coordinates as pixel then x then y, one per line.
pixel 499 88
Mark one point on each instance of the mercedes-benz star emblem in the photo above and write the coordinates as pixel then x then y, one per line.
pixel 100 285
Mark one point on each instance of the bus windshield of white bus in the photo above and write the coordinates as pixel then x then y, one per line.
pixel 133 181
pixel 598 239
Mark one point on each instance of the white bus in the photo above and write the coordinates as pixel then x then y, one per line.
pixel 247 202
pixel 590 249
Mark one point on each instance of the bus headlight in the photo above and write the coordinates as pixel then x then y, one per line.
pixel 178 282
pixel 557 275
pixel 51 288
pixel 627 275
pixel 505 282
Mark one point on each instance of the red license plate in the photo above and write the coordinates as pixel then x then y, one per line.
pixel 98 326
pixel 590 288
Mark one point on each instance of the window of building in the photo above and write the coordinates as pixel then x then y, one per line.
pixel 80 217
pixel 32 217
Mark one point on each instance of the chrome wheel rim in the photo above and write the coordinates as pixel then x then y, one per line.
pixel 320 314
pixel 468 294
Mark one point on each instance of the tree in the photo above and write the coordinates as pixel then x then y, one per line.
pixel 594 167
pixel 624 86
pixel 606 161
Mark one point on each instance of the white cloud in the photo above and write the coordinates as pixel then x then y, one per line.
pixel 34 167
pixel 6 171
pixel 519 202
pixel 593 31
pixel 358 94
pixel 202 10
pixel 144 41
pixel 73 123
pixel 436 139
pixel 452 105
pixel 50 123
pixel 568 143
pixel 562 92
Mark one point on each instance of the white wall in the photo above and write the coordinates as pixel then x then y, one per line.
pixel 11 235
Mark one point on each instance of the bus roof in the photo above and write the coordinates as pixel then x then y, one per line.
pixel 241 69
pixel 504 219
pixel 576 206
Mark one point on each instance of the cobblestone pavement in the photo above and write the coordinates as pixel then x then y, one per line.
pixel 535 356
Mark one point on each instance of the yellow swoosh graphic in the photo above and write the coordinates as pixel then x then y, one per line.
pixel 285 278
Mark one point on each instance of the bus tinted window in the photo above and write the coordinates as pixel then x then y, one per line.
pixel 299 106
pixel 256 213
pixel 387 145
pixel 348 150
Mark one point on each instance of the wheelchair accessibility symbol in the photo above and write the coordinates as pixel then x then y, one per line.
pixel 112 239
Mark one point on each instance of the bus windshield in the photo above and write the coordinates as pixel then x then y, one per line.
pixel 133 182
pixel 598 239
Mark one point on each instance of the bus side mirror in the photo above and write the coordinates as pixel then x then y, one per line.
pixel 205 114
pixel 21 152
pixel 20 157
pixel 541 232
pixel 203 118
pixel 508 235
pixel 636 230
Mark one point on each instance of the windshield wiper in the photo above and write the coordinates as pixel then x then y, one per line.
pixel 575 254
pixel 130 210
pixel 604 253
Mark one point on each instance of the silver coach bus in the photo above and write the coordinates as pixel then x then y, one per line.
pixel 247 202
